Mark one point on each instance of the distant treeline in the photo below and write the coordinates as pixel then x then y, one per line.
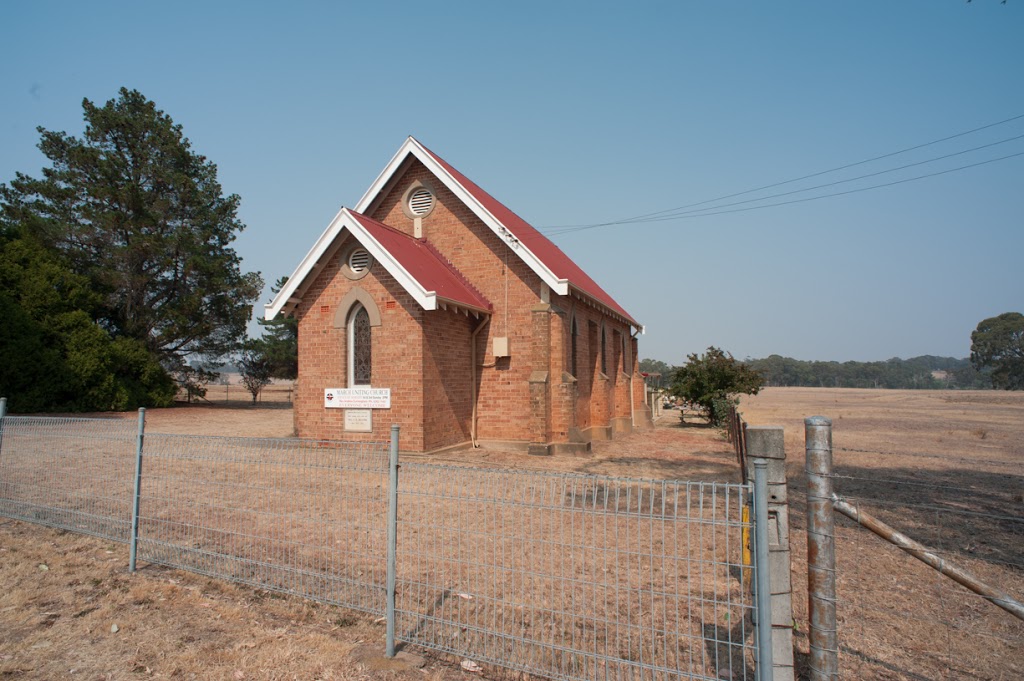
pixel 926 372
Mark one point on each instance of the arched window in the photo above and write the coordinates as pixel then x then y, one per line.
pixel 360 360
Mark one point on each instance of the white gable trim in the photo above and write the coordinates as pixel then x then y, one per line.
pixel 291 295
pixel 412 147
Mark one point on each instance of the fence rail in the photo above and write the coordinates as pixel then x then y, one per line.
pixel 562 575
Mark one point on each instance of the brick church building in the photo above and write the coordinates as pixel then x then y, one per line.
pixel 464 323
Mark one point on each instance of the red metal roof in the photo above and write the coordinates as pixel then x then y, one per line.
pixel 551 255
pixel 425 264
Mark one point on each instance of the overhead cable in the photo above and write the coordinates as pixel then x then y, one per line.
pixel 558 229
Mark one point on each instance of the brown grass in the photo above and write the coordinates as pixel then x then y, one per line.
pixel 944 467
pixel 56 623
pixel 40 633
pixel 229 392
pixel 898 620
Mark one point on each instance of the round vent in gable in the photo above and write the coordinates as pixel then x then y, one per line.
pixel 358 260
pixel 421 202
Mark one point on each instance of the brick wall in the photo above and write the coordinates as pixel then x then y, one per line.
pixel 446 377
pixel 397 356
pixel 492 266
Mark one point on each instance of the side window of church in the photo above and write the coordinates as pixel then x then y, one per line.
pixel 575 335
pixel 360 359
pixel 604 351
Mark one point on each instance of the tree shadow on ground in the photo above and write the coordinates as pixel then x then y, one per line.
pixel 959 512
pixel 726 649
pixel 698 466
pixel 693 425
pixel 234 404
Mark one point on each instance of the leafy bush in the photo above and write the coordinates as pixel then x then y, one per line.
pixel 712 381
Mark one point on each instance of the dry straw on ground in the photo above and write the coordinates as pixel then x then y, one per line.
pixel 898 620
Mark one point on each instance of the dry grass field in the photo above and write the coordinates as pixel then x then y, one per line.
pixel 898 621
pixel 42 617
pixel 946 468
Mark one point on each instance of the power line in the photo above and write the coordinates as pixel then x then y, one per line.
pixel 790 181
pixel 673 216
pixel 815 198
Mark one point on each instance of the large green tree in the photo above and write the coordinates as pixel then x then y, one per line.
pixel 132 208
pixel 712 381
pixel 997 345
pixel 55 356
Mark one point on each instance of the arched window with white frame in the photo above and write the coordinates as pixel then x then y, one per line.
pixel 360 355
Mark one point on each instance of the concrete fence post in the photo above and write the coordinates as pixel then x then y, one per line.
pixel 389 613
pixel 821 551
pixel 767 443
pixel 133 545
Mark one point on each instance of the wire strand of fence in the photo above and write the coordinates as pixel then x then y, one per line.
pixel 912 483
pixel 925 455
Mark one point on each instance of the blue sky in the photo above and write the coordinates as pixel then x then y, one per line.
pixel 580 113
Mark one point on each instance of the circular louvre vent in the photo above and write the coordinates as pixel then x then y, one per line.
pixel 358 260
pixel 421 201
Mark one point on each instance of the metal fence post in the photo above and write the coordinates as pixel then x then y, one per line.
pixel 821 551
pixel 762 576
pixel 134 545
pixel 392 542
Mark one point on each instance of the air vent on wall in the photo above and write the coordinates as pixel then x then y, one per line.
pixel 358 260
pixel 421 202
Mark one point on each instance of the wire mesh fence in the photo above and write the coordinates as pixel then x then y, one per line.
pixel 562 575
pixel 896 616
pixel 295 516
pixel 575 577
pixel 70 473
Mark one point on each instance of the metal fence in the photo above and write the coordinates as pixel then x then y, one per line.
pixel 736 432
pixel 575 577
pixel 893 612
pixel 70 473
pixel 561 575
pixel 295 516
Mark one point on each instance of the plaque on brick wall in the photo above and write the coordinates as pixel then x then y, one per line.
pixel 359 420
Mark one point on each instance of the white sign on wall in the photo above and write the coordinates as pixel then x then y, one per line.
pixel 359 420
pixel 357 398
